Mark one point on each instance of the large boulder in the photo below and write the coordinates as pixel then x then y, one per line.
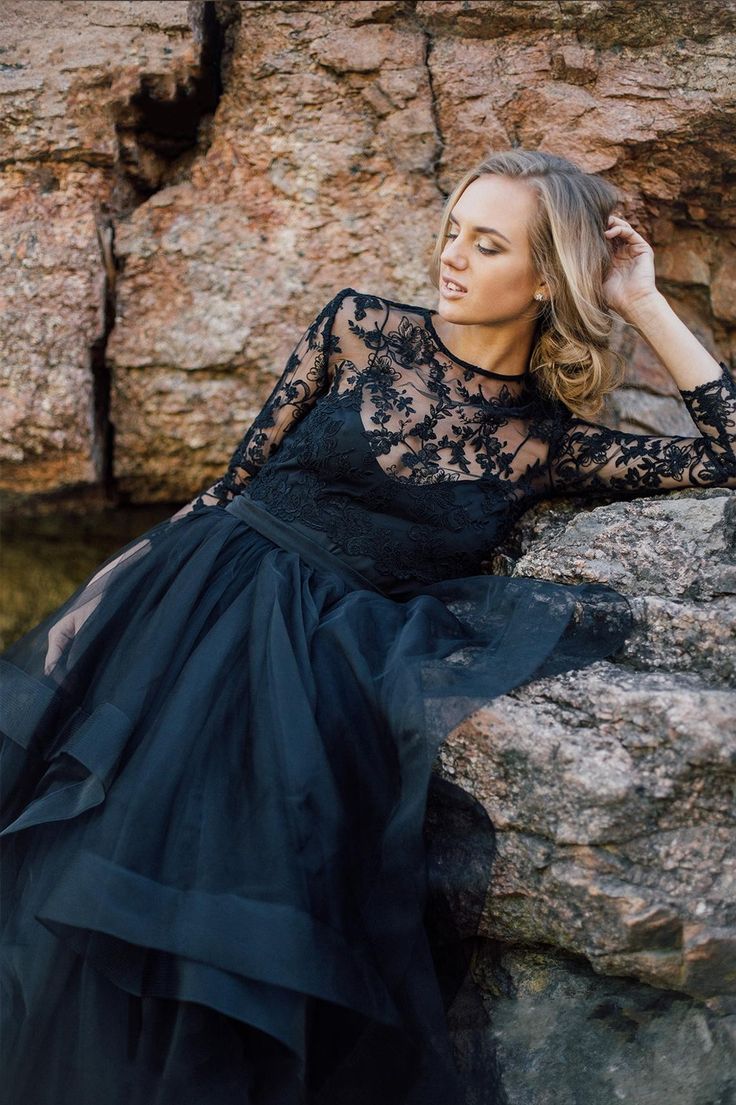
pixel 609 931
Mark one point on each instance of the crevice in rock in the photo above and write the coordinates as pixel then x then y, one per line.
pixel 161 131
pixel 167 124
pixel 428 42
pixel 103 430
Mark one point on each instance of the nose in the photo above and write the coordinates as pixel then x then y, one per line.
pixel 453 254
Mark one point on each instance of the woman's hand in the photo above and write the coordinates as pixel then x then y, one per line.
pixel 630 284
pixel 67 627
pixel 65 630
pixel 629 289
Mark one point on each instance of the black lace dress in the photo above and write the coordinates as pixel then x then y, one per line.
pixel 214 779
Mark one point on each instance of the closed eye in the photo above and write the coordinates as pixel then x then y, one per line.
pixel 481 248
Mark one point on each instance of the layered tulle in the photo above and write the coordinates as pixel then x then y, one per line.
pixel 214 867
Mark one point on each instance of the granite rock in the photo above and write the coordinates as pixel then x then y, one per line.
pixel 184 186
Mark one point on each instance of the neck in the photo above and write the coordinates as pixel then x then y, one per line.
pixel 504 347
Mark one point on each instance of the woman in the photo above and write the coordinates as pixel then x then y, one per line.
pixel 217 751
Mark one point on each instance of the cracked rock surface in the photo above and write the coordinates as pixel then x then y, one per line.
pixel 183 187
pixel 609 932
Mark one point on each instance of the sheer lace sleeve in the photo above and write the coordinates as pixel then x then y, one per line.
pixel 304 378
pixel 587 456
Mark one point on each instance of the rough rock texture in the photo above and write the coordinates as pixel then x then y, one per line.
pixel 556 1033
pixel 675 554
pixel 612 795
pixel 186 184
pixel 72 80
pixel 183 186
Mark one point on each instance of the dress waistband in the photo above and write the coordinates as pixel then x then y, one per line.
pixel 292 539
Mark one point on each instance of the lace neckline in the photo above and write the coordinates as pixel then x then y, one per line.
pixel 427 313
pixel 467 364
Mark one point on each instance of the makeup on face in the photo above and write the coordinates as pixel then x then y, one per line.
pixel 484 230
pixel 450 288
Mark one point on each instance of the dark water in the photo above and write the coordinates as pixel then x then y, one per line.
pixel 45 555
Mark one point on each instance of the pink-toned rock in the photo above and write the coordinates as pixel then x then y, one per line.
pixel 69 78
pixel 345 51
pixel 688 260
pixel 723 284
pixel 574 64
pixel 186 185
pixel 52 310
pixel 335 133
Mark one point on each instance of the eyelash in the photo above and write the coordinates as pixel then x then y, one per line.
pixel 482 250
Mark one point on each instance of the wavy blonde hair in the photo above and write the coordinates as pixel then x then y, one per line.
pixel 571 355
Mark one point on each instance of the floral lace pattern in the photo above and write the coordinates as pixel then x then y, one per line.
pixel 415 463
pixel 592 457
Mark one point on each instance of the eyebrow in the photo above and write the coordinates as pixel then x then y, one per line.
pixel 483 229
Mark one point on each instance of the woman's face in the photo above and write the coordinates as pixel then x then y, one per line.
pixel 495 268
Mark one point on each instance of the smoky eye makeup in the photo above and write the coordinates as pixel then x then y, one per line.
pixel 482 230
pixel 481 249
pixel 450 237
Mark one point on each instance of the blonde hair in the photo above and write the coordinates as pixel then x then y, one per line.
pixel 571 357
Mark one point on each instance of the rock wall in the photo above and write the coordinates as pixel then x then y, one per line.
pixel 184 186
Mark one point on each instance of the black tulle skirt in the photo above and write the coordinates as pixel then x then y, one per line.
pixel 214 852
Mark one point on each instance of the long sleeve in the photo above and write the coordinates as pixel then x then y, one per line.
pixel 305 377
pixel 586 456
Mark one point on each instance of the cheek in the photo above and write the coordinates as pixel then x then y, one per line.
pixel 508 274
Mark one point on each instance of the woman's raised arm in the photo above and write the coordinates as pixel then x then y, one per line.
pixel 588 456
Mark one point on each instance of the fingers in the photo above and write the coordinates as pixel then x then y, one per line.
pixel 625 241
pixel 54 651
pixel 59 636
pixel 620 226
pixel 66 629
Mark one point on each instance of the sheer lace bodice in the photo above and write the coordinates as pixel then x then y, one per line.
pixel 414 463
pixel 213 881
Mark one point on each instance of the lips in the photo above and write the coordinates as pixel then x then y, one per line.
pixel 449 280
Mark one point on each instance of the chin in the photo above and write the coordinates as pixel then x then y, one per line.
pixel 453 311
